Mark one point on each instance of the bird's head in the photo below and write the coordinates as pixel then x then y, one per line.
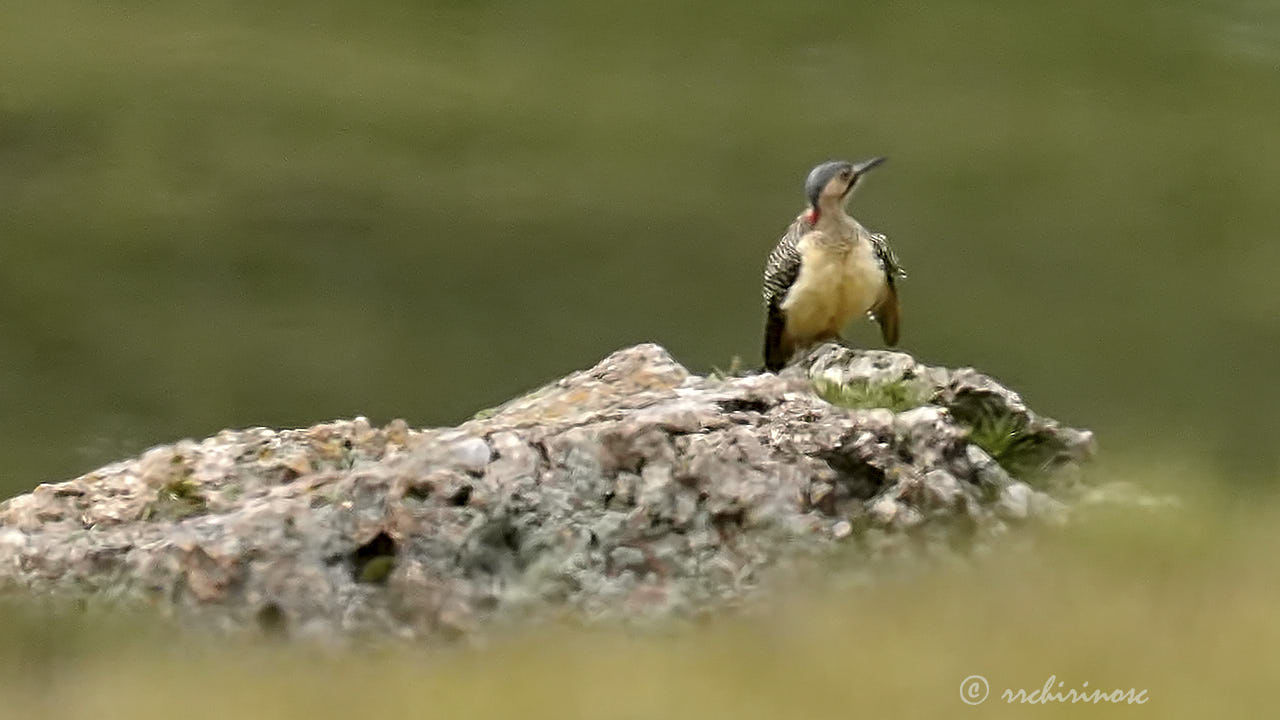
pixel 830 184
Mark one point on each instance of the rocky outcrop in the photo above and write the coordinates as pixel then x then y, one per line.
pixel 632 489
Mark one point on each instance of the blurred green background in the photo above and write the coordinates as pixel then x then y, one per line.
pixel 223 213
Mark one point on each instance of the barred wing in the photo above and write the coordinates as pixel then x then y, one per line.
pixel 780 273
pixel 887 312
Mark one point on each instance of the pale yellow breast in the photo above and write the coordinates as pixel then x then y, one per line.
pixel 838 280
pixel 863 281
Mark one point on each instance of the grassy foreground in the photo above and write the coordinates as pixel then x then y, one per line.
pixel 1181 605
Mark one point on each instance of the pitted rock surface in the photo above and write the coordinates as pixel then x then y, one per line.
pixel 632 489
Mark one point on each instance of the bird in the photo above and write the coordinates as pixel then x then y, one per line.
pixel 827 269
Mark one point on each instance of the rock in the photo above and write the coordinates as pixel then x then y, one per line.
pixel 632 489
pixel 1014 501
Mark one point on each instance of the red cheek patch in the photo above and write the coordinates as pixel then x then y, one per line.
pixel 811 216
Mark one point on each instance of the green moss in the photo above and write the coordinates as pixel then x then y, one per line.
pixel 176 499
pixel 897 395
pixel 1022 452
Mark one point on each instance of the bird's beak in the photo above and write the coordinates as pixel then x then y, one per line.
pixel 860 169
pixel 865 165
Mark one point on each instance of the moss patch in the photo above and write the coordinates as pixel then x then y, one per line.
pixel 897 395
pixel 1023 452
pixel 175 500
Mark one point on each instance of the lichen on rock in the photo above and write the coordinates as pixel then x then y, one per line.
pixel 632 489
